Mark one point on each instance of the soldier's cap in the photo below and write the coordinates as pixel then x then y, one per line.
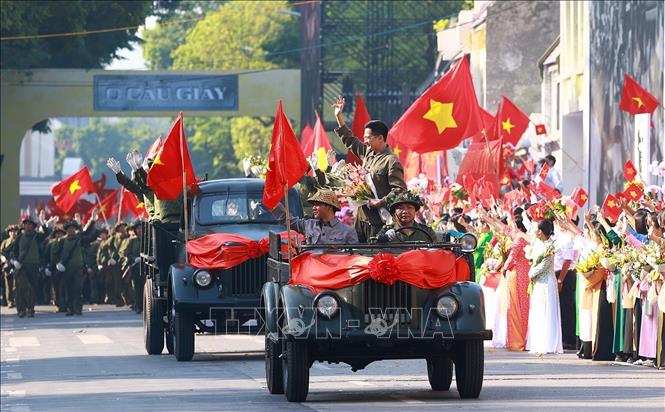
pixel 28 219
pixel 327 197
pixel 71 223
pixel 120 223
pixel 12 228
pixel 405 197
pixel 58 229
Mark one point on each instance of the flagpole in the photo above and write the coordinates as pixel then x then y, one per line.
pixel 99 202
pixel 120 205
pixel 184 181
pixel 288 220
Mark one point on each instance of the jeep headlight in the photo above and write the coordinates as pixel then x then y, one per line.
pixel 202 278
pixel 327 305
pixel 468 242
pixel 447 306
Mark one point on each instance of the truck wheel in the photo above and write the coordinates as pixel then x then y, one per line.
pixel 169 339
pixel 274 372
pixel 469 368
pixel 153 324
pixel 183 336
pixel 440 373
pixel 296 370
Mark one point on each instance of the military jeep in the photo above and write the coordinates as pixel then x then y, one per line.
pixel 374 320
pixel 181 299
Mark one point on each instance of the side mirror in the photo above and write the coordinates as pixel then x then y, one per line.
pixel 275 245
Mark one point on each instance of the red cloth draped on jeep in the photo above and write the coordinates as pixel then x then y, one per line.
pixel 426 269
pixel 224 250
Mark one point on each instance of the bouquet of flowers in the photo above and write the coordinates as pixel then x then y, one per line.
pixel 354 185
pixel 458 191
pixel 255 166
pixel 657 169
pixel 587 265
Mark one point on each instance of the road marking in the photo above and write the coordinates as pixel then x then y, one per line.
pixel 23 342
pixel 11 360
pixel 362 383
pixel 19 408
pixel 9 349
pixel 7 333
pixel 15 375
pixel 17 393
pixel 410 401
pixel 93 339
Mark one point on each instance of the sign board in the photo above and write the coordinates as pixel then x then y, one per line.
pixel 176 92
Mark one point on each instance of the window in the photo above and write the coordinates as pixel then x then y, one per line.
pixel 238 207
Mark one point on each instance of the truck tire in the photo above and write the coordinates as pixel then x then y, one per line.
pixel 295 366
pixel 274 372
pixel 469 368
pixel 169 340
pixel 183 335
pixel 153 324
pixel 440 373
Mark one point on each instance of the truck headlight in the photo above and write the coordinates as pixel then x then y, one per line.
pixel 447 306
pixel 468 242
pixel 202 278
pixel 327 305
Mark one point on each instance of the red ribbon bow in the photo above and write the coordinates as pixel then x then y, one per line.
pixel 383 268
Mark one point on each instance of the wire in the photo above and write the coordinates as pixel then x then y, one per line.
pixel 115 29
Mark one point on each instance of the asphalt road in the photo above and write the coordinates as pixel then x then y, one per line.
pixel 96 362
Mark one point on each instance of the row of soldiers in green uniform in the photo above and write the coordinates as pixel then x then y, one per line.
pixel 64 263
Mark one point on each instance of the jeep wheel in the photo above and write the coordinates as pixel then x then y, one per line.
pixel 274 372
pixel 182 331
pixel 440 373
pixel 469 367
pixel 153 324
pixel 296 370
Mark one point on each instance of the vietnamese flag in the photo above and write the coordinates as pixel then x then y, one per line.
pixel 443 116
pixel 544 171
pixel 360 118
pixel 635 99
pixel 580 196
pixel 306 135
pixel 100 184
pixel 154 148
pixel 540 129
pixel 629 171
pixel 487 119
pixel 68 191
pixel 633 193
pixel 547 191
pixel 165 176
pixel 282 174
pixel 130 204
pixel 108 207
pixel 318 144
pixel 510 122
pixel 611 207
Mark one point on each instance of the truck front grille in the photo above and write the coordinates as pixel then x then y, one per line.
pixel 387 301
pixel 247 278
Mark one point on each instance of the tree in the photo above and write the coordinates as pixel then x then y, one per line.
pixel 209 140
pixel 25 18
pixel 251 136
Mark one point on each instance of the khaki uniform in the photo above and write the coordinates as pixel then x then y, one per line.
pixel 56 292
pixel 27 251
pixel 129 251
pixel 95 279
pixel 69 252
pixel 7 271
pixel 386 173
pixel 108 251
pixel 415 236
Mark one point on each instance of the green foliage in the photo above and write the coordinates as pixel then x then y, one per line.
pixel 234 37
pixel 115 137
pixel 251 136
pixel 210 147
pixel 20 18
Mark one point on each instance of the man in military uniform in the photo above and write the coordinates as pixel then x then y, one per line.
pixel 95 278
pixel 130 258
pixel 108 258
pixel 325 228
pixel 105 275
pixel 404 207
pixel 26 255
pixel 382 165
pixel 70 262
pixel 54 277
pixel 8 269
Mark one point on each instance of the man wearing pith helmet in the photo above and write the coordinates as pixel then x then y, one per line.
pixel 404 207
pixel 325 228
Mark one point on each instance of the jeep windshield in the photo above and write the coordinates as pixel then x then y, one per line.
pixel 237 207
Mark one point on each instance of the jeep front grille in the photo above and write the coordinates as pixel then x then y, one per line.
pixel 381 300
pixel 247 278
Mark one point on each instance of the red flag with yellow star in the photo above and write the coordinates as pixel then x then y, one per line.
pixel 540 129
pixel 68 191
pixel 443 116
pixel 165 176
pixel 510 122
pixel 635 99
pixel 580 196
pixel 633 193
pixel 611 207
pixel 360 118
pixel 108 207
pixel 129 204
pixel 488 121
pixel 629 171
pixel 318 144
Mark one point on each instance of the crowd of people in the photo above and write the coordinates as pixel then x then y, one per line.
pixel 68 264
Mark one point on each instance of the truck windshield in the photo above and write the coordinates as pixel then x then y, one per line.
pixel 220 208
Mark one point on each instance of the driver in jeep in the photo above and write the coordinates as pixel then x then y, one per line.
pixel 404 227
